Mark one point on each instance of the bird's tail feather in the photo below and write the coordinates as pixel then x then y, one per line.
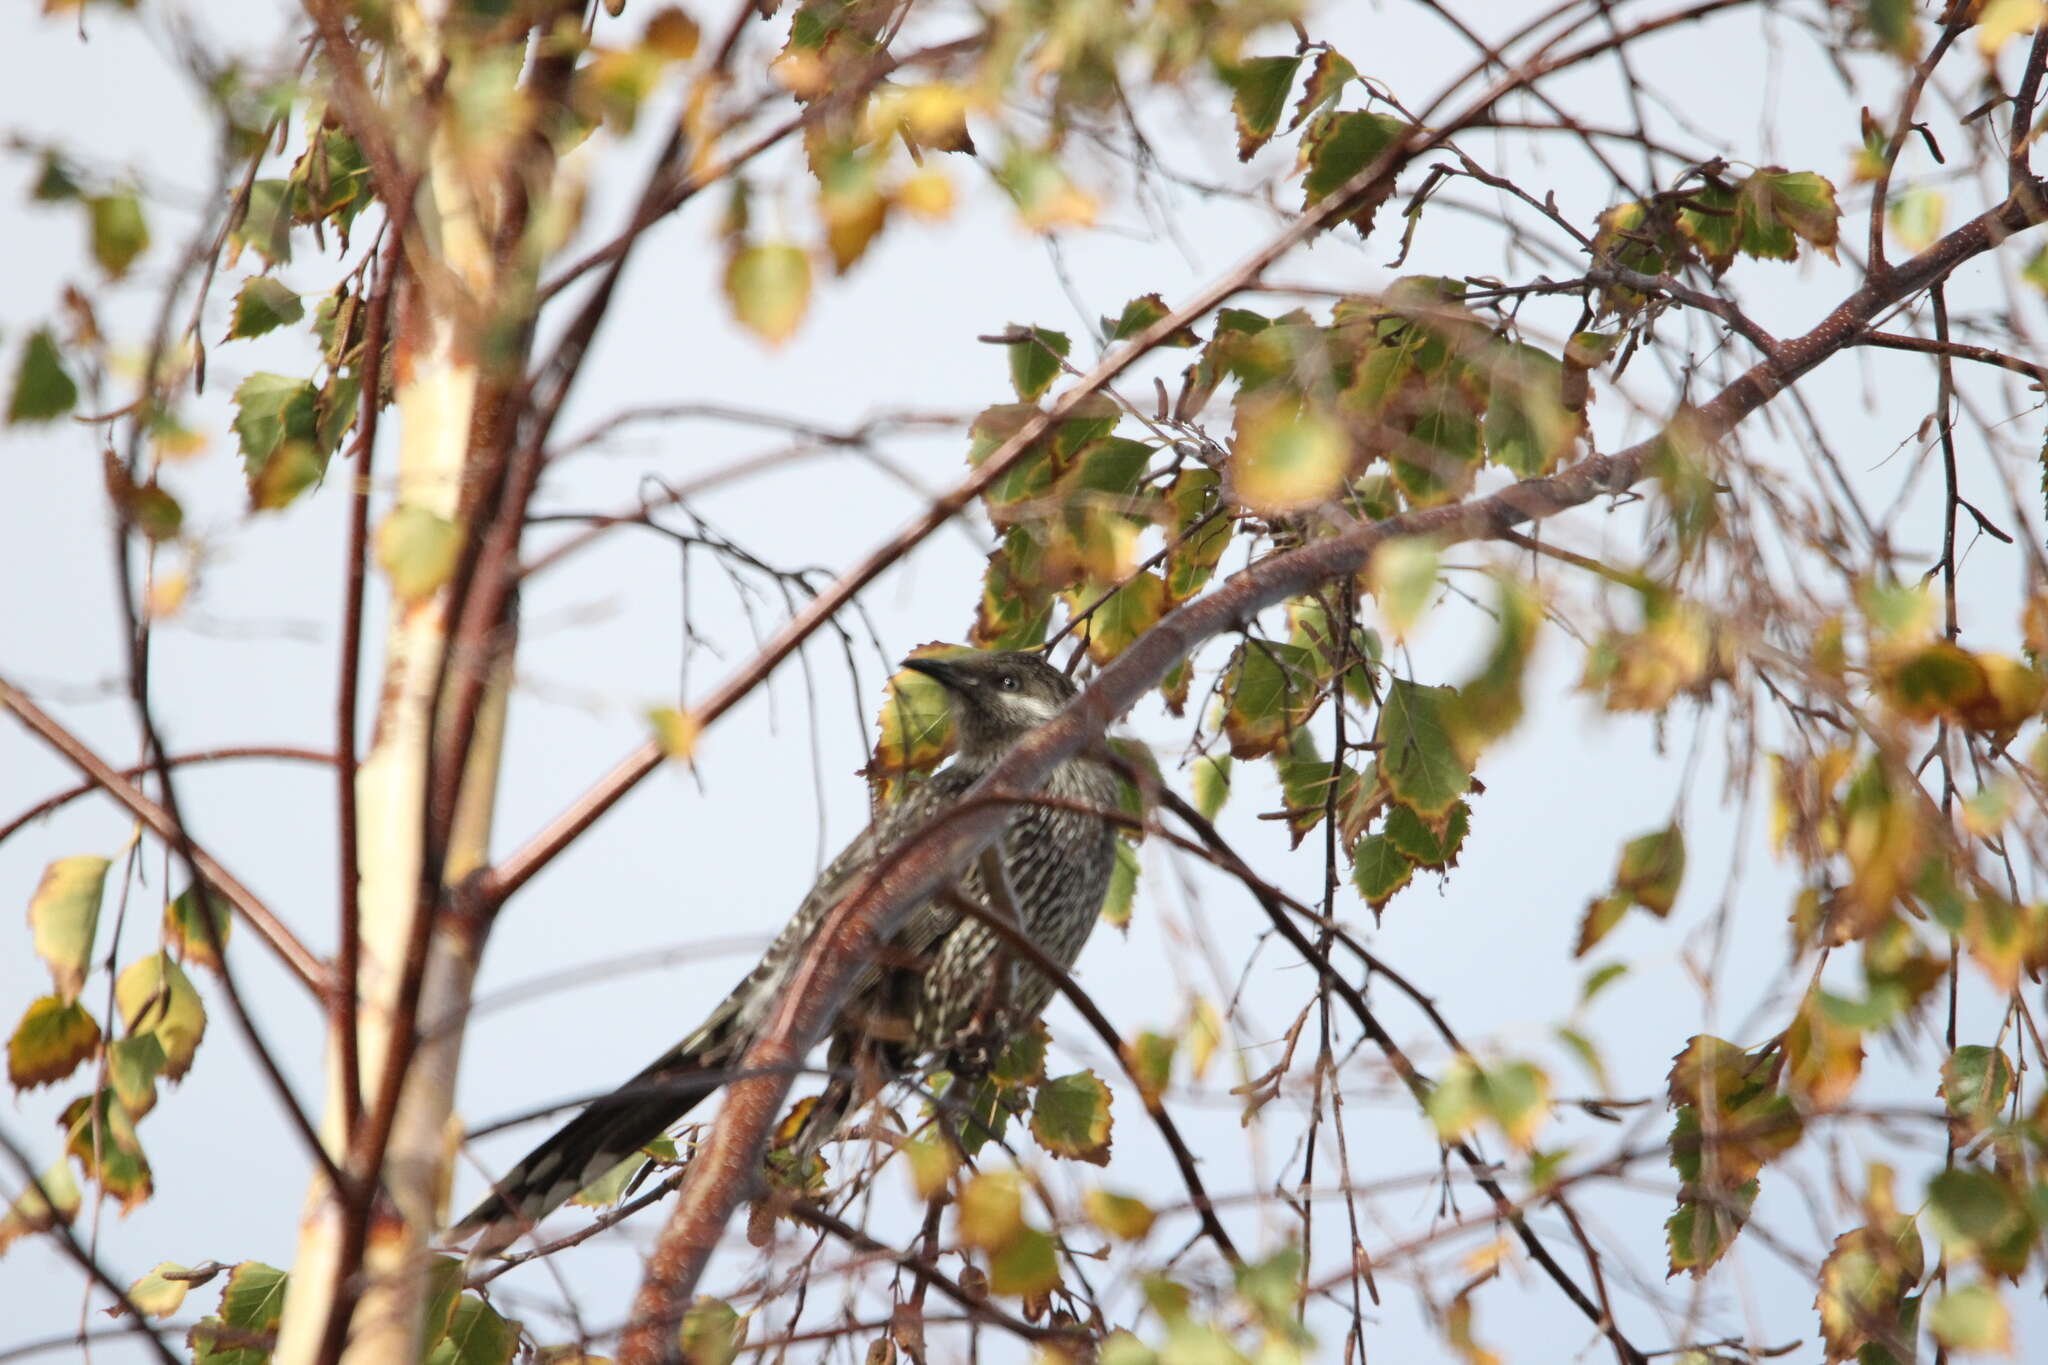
pixel 609 1130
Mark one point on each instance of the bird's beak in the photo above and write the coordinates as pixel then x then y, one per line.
pixel 948 676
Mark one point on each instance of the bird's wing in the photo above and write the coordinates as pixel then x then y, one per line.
pixel 890 831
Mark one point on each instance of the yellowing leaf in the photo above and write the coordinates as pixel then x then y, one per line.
pixel 1286 459
pixel 64 914
pixel 1070 1117
pixel 419 550
pixel 52 1199
pixel 54 1036
pixel 769 288
pixel 156 997
pixel 1916 218
pixel 712 1333
pixel 119 231
pixel 156 1296
pixel 1027 1265
pixel 1403 579
pixel 197 926
pixel 1258 96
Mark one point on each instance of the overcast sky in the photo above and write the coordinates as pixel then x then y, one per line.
pixel 676 888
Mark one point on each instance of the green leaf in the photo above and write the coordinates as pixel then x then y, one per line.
pixel 43 390
pixel 1126 614
pixel 186 926
pixel 1978 1215
pixel 1437 462
pixel 1378 869
pixel 1709 220
pixel 133 1064
pixel 1894 25
pixel 276 423
pixel 769 288
pixel 476 1336
pixel 1140 313
pixel 266 225
pixel 1700 1233
pixel 443 1276
pixel 1199 538
pixel 1528 429
pixel 1269 692
pixel 100 1136
pixel 1123 886
pixel 1338 147
pixel 119 232
pixel 54 1036
pixel 1035 360
pixel 1600 978
pixel 1976 1082
pixel 1417 757
pixel 1028 1265
pixel 1070 1117
pixel 54 181
pixel 1800 202
pixel 1210 781
pixel 1972 1318
pixel 1324 86
pixel 1402 576
pixel 419 549
pixel 610 1187
pixel 156 997
pixel 263 305
pixel 1022 1063
pixel 1428 843
pixel 64 915
pixel 1150 1058
pixel 712 1334
pixel 1258 96
pixel 1652 865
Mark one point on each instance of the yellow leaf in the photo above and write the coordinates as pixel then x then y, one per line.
pixel 927 195
pixel 769 288
pixel 676 731
pixel 2000 21
pixel 1286 459
pixel 992 1210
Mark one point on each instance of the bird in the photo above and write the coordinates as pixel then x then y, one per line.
pixel 937 988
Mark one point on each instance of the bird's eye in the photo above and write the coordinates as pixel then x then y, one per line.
pixel 1008 682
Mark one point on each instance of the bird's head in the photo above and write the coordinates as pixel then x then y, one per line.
pixel 996 698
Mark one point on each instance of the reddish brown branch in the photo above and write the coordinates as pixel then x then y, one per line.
pixel 64 798
pixel 301 961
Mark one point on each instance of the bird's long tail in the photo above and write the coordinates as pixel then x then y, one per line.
pixel 608 1131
